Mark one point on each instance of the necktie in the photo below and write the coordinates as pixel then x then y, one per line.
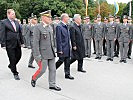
pixel 13 24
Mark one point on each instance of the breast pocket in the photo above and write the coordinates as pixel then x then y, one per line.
pixel 45 34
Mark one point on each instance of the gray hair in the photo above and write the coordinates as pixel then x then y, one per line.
pixel 63 15
pixel 76 16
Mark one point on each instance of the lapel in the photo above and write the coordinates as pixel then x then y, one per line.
pixel 10 25
pixel 63 25
pixel 42 28
pixel 77 28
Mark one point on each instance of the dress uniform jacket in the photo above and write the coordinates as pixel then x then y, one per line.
pixel 43 44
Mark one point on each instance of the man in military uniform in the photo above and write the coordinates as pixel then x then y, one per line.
pixel 54 25
pixel 30 32
pixel 94 47
pixel 110 37
pixel 124 37
pixel 87 32
pixel 116 46
pixel 104 40
pixel 24 31
pixel 43 50
pixel 130 44
pixel 84 20
pixel 98 35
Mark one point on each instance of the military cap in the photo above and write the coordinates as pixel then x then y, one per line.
pixel 98 16
pixel 111 16
pixel 33 16
pixel 105 18
pixel 87 17
pixel 46 13
pixel 129 18
pixel 24 20
pixel 56 17
pixel 84 18
pixel 95 18
pixel 125 17
pixel 117 17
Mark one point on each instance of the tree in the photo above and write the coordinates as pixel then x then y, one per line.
pixel 126 9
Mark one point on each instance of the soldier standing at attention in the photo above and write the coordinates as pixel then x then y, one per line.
pixel 116 46
pixel 30 32
pixel 43 50
pixel 130 44
pixel 110 37
pixel 124 36
pixel 95 21
pixel 87 32
pixel 104 40
pixel 98 35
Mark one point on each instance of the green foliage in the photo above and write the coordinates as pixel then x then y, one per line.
pixel 24 8
pixel 126 9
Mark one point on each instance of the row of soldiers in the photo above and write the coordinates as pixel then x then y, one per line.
pixel 111 35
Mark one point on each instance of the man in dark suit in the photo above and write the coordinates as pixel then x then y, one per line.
pixel 0 32
pixel 78 47
pixel 12 38
pixel 63 45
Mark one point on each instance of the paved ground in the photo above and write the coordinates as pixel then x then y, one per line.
pixel 103 81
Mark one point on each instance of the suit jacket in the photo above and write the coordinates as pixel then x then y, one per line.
pixel 63 40
pixel 30 32
pixel 43 44
pixel 77 40
pixel 124 33
pixel 11 38
pixel 99 31
pixel 87 31
pixel 110 32
pixel 24 29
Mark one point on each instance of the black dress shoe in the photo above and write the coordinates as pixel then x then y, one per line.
pixel 107 59
pixel 33 83
pixel 55 88
pixel 16 77
pixel 129 57
pixel 116 55
pixel 97 58
pixel 69 77
pixel 31 66
pixel 124 61
pixel 94 53
pixel 111 59
pixel 89 56
pixel 86 55
pixel 121 61
pixel 83 71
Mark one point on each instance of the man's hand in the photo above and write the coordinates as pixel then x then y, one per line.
pixel 74 48
pixel 3 47
pixel 60 52
pixel 22 45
